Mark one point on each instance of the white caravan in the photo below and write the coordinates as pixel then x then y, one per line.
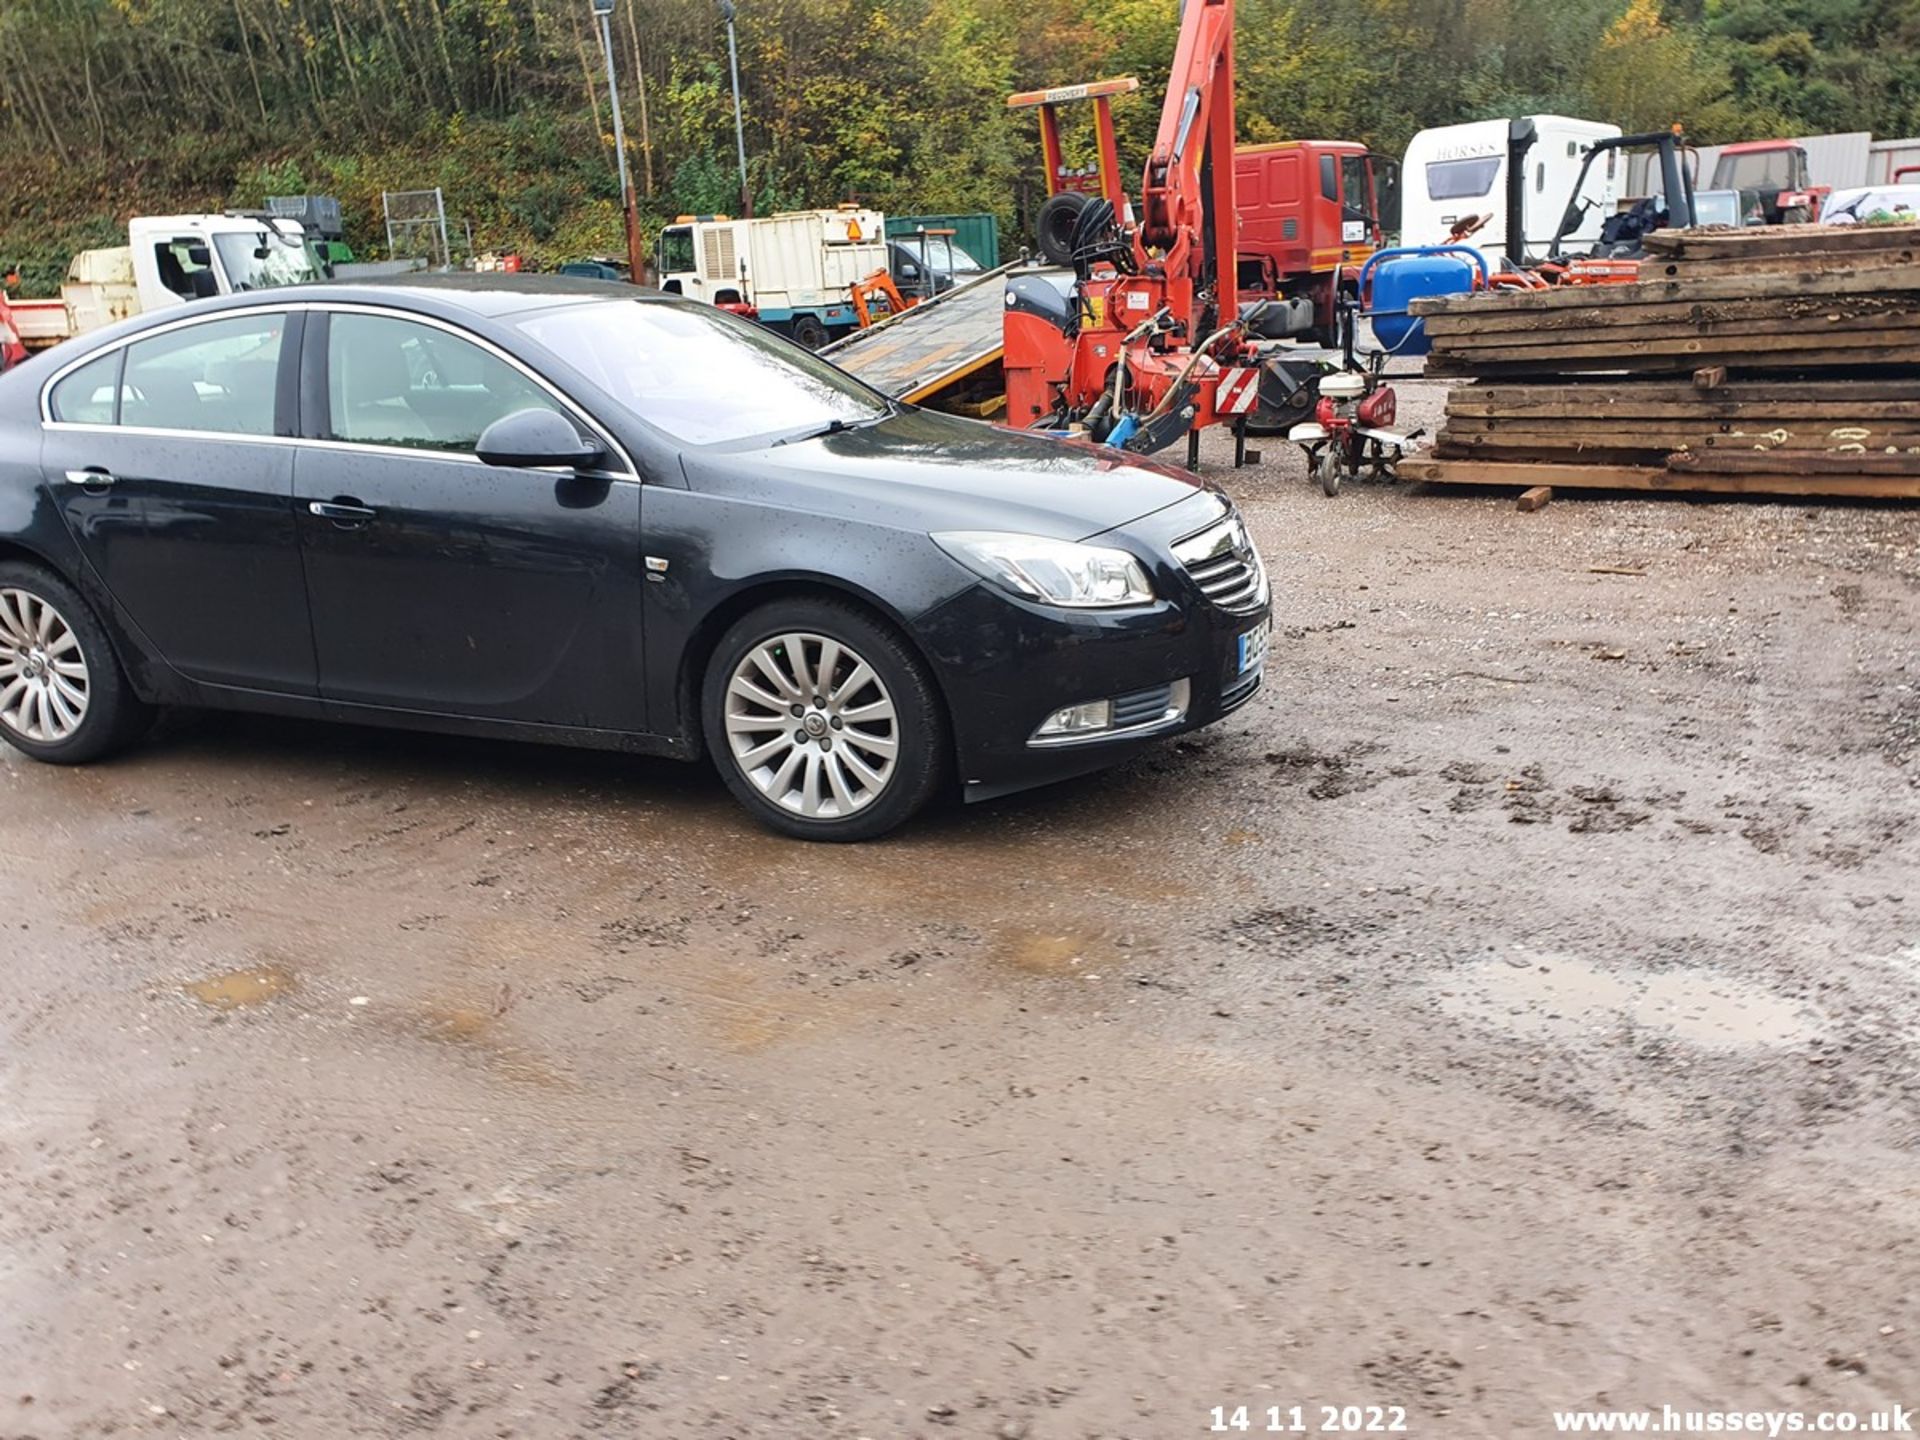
pixel 1457 172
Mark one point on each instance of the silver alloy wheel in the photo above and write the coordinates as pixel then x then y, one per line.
pixel 44 684
pixel 810 724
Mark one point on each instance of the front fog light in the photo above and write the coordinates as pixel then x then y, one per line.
pixel 1087 719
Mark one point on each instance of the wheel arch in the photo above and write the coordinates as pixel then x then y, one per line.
pixel 12 548
pixel 697 654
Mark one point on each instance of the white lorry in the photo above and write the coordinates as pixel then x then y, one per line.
pixel 169 260
pixel 795 271
pixel 1458 172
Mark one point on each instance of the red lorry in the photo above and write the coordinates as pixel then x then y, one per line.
pixel 1309 213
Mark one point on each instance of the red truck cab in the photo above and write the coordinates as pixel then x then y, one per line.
pixel 1307 209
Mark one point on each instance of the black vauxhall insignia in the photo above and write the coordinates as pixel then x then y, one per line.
pixel 569 511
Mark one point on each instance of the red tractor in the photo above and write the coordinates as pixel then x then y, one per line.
pixel 1771 176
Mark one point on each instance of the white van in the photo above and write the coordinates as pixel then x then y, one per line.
pixel 1458 171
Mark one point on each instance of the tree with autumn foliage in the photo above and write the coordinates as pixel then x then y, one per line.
pixel 111 108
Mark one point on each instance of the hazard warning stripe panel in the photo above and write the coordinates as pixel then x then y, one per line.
pixel 1237 392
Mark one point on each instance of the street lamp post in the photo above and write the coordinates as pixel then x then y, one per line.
pixel 603 11
pixel 739 127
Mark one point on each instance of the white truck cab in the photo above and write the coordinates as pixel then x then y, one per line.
pixel 169 260
pixel 1456 172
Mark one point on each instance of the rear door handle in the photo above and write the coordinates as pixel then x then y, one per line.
pixel 93 475
pixel 340 513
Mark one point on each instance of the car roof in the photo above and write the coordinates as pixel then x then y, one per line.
pixel 488 298
pixel 494 293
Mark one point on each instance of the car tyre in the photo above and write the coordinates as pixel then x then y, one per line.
pixel 808 331
pixel 846 744
pixel 1053 227
pixel 64 697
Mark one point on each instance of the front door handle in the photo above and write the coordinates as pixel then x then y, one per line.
pixel 93 477
pixel 341 512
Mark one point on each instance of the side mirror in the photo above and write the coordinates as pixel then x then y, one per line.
pixel 530 439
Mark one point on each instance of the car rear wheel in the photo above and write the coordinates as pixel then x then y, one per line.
pixel 823 722
pixel 63 696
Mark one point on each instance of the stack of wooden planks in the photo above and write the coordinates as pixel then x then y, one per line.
pixel 1778 361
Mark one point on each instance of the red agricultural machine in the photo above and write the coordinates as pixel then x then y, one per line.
pixel 1145 340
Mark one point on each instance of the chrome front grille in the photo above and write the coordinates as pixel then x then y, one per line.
pixel 1223 563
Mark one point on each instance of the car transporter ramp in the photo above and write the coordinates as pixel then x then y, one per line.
pixel 936 352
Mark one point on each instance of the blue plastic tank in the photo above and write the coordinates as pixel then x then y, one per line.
pixel 1406 278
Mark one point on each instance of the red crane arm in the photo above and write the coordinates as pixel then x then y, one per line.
pixel 1187 200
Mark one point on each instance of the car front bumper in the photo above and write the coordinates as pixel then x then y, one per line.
pixel 1006 664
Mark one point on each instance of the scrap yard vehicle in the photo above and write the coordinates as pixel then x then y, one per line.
pixel 1145 334
pixel 1458 174
pixel 1309 212
pixel 169 260
pixel 1306 209
pixel 1598 241
pixel 794 272
pixel 1145 339
pixel 1772 179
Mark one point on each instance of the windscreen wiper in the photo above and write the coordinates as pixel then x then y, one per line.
pixel 835 426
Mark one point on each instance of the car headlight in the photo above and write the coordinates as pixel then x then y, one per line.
pixel 1054 572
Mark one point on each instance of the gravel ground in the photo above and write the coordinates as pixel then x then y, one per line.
pixel 1513 1008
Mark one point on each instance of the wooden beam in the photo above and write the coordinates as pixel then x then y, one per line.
pixel 1761 462
pixel 1712 377
pixel 1793 264
pixel 1843 440
pixel 1533 499
pixel 1789 239
pixel 1881 388
pixel 1785 309
pixel 1771 335
pixel 1704 409
pixel 1860 280
pixel 1519 363
pixel 1645 477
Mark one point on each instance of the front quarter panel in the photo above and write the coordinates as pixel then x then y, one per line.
pixel 722 552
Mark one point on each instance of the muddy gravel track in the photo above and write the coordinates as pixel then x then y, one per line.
pixel 1514 1008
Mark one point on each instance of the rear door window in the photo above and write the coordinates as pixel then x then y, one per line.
pixel 220 375
pixel 85 397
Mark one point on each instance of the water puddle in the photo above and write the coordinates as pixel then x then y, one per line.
pixel 1548 996
pixel 237 988
pixel 1041 952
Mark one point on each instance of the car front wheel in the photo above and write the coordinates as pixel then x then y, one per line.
pixel 824 723
pixel 63 697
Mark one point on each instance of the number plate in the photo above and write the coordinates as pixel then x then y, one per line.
pixel 1253 647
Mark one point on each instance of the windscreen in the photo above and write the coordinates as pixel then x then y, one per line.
pixel 1462 179
pixel 700 374
pixel 948 258
pixel 1754 170
pixel 261 259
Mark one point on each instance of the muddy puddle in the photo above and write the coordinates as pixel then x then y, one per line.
pixel 236 989
pixel 1547 996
